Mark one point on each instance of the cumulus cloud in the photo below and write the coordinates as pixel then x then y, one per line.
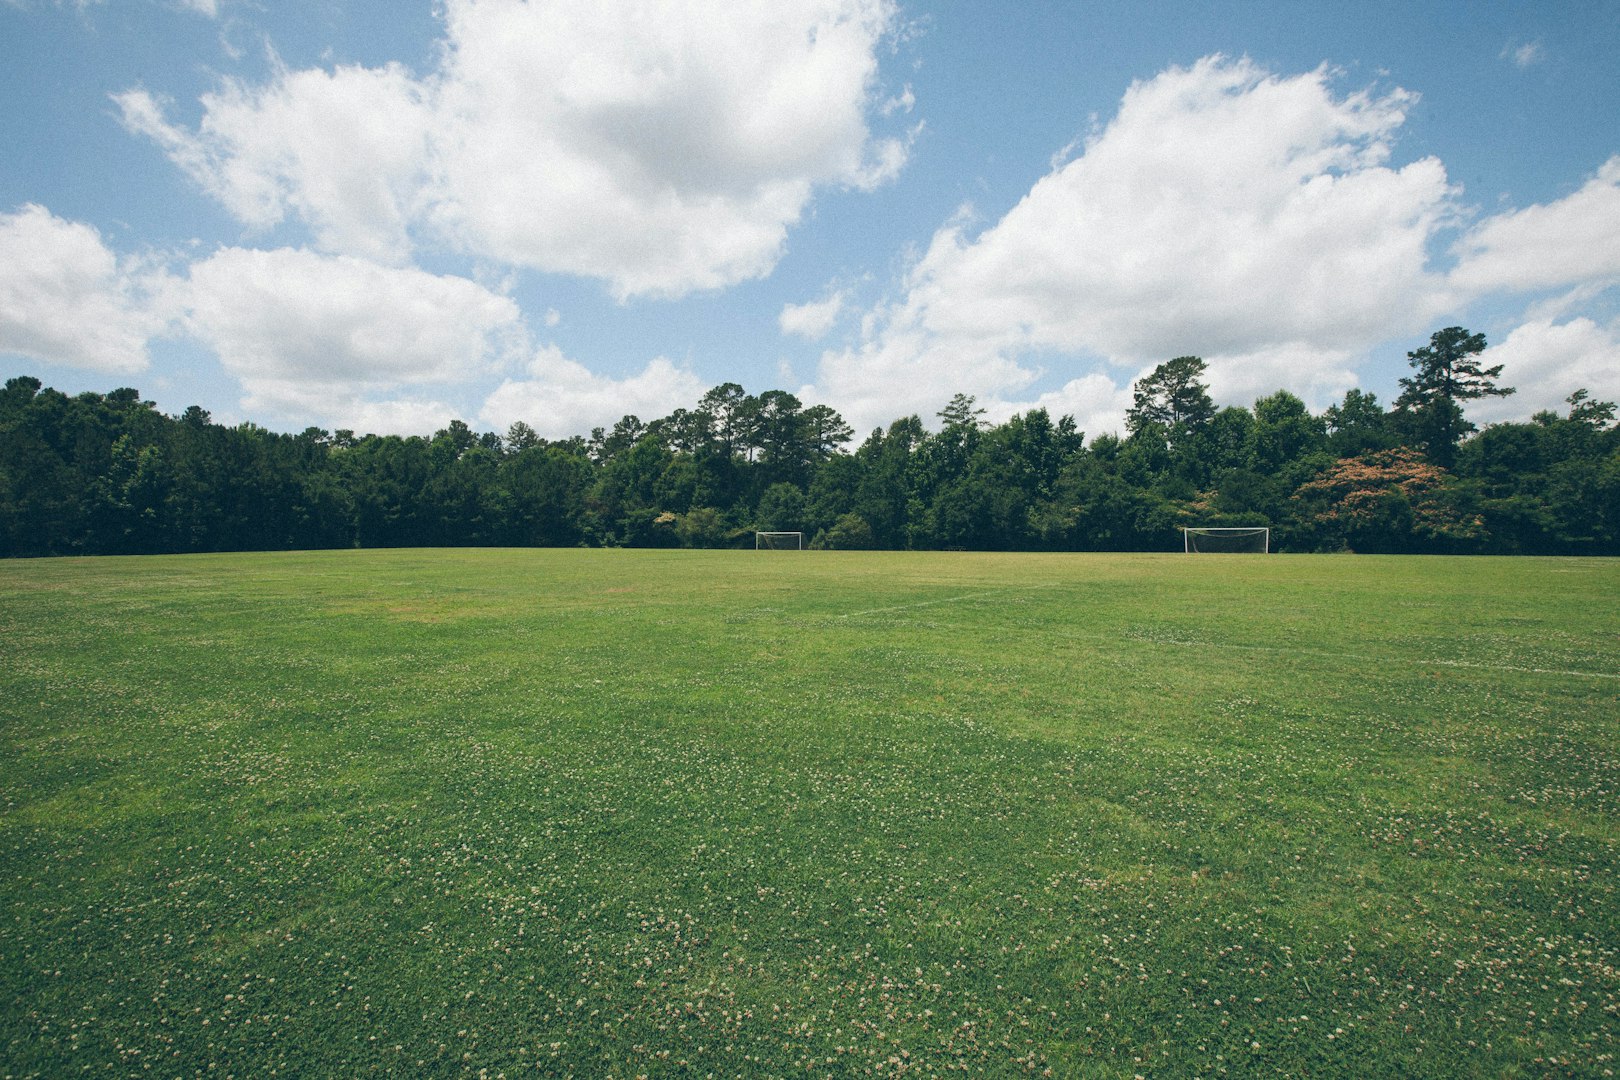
pixel 813 320
pixel 1254 219
pixel 662 147
pixel 1546 361
pixel 904 369
pixel 1096 402
pixel 395 416
pixel 559 397
pixel 344 151
pixel 1575 239
pixel 66 298
pixel 1225 211
pixel 320 335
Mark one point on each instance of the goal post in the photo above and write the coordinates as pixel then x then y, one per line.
pixel 779 541
pixel 1244 539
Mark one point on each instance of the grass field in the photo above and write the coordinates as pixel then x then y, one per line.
pixel 610 813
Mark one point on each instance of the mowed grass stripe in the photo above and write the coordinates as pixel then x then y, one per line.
pixel 613 813
pixel 1320 655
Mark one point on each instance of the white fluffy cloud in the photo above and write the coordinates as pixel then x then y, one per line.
pixel 560 397
pixel 320 335
pixel 1224 209
pixel 346 151
pixel 1248 218
pixel 397 416
pixel 1575 239
pixel 1095 401
pixel 663 147
pixel 1546 361
pixel 812 320
pixel 1256 220
pixel 66 298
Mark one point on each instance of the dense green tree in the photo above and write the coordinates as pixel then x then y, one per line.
pixel 884 497
pixel 547 488
pixel 785 454
pixel 1246 497
pixel 1546 485
pixel 1594 414
pixel 623 501
pixel 1010 496
pixel 729 412
pixel 1226 442
pixel 849 533
pixel 389 474
pixel 42 505
pixel 1115 515
pixel 465 500
pixel 1284 431
pixel 1171 402
pixel 703 527
pixel 781 509
pixel 687 431
pixel 604 446
pixel 1448 374
pixel 937 475
pixel 521 437
pixel 833 491
pixel 1357 425
pixel 825 431
pixel 103 473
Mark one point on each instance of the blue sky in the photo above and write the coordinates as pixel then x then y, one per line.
pixel 380 216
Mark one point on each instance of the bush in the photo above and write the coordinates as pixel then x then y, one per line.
pixel 849 533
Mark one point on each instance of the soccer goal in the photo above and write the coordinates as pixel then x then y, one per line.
pixel 1247 540
pixel 779 541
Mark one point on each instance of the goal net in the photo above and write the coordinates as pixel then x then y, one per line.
pixel 779 541
pixel 1255 540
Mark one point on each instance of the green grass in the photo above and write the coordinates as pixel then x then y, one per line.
pixel 602 813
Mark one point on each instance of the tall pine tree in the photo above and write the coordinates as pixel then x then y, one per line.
pixel 1448 373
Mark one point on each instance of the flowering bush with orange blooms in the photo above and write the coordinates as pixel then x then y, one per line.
pixel 1389 500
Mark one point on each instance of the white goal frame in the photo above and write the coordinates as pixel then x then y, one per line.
pixel 1263 532
pixel 767 541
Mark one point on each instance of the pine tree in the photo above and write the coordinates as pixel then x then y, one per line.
pixel 1173 399
pixel 1448 373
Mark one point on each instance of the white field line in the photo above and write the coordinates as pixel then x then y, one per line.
pixel 1526 670
pixel 944 600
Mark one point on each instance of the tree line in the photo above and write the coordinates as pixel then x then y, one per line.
pixel 110 474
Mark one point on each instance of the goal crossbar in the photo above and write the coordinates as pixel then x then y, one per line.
pixel 1226 538
pixel 778 541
